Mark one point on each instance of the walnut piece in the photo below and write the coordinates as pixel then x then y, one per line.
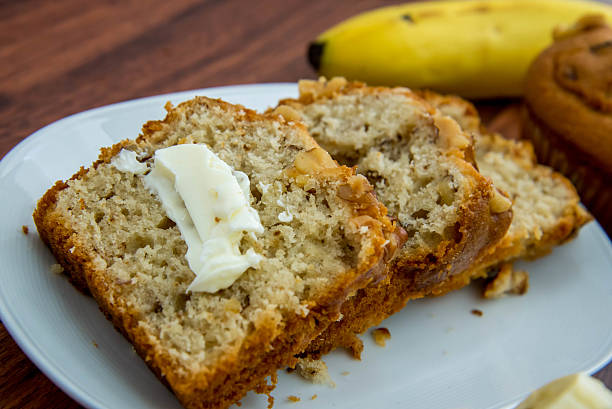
pixel 355 189
pixel 499 203
pixel 288 113
pixel 321 88
pixel 450 135
pixel 313 161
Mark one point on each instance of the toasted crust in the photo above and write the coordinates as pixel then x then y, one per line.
pixel 593 185
pixel 411 279
pixel 269 346
pixel 519 242
pixel 411 275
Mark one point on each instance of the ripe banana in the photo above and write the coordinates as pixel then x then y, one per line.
pixel 578 391
pixel 474 48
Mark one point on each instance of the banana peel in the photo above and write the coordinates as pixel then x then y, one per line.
pixel 473 48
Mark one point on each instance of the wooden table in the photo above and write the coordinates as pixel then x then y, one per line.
pixel 65 56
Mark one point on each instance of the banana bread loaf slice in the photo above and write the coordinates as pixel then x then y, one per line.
pixel 325 236
pixel 546 207
pixel 421 166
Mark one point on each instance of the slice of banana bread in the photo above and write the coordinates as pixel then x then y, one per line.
pixel 421 166
pixel 546 207
pixel 114 239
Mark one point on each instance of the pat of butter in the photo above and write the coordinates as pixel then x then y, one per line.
pixel 127 161
pixel 209 202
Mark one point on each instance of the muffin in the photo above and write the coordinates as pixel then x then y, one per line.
pixel 568 111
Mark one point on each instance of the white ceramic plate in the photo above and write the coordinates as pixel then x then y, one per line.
pixel 440 355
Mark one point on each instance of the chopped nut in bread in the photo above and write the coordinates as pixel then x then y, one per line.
pixel 113 237
pixel 546 208
pixel 420 165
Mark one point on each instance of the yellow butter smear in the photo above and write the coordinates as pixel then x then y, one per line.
pixel 209 202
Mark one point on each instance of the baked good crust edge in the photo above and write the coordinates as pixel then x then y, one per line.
pixel 209 388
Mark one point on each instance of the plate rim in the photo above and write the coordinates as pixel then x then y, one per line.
pixel 34 136
pixel 11 322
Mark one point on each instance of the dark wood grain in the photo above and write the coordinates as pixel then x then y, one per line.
pixel 22 385
pixel 62 57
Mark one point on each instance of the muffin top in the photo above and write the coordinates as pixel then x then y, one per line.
pixel 569 88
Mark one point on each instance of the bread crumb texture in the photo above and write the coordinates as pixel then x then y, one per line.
pixel 57 268
pixel 25 229
pixel 133 257
pixel 421 165
pixel 393 140
pixel 293 398
pixel 546 208
pixel 315 371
